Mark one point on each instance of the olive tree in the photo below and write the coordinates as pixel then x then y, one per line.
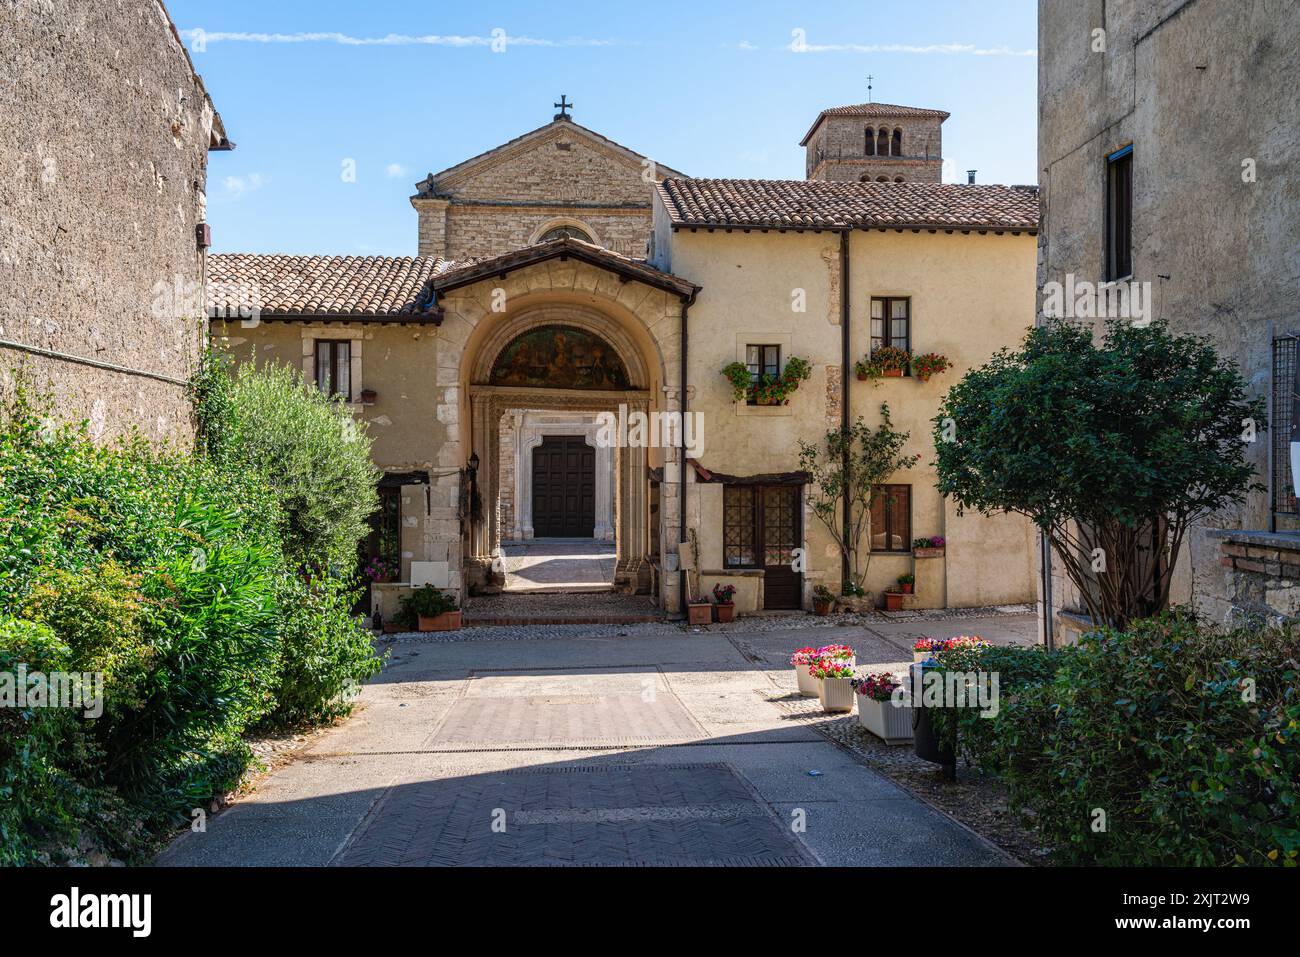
pixel 1113 449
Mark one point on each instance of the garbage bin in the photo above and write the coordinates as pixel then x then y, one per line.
pixel 925 737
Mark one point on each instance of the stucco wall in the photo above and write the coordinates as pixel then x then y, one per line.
pixel 1198 88
pixel 970 295
pixel 106 132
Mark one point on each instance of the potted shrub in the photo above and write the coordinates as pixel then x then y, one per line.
pixel 737 373
pixel 931 363
pixel 893 601
pixel 931 547
pixel 823 599
pixel 878 712
pixel 368 396
pixel 726 608
pixel 905 583
pixel 833 688
pixel 891 360
pixel 776 390
pixel 865 369
pixel 433 610
pixel 801 660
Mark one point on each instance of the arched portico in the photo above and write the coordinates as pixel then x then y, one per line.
pixel 617 323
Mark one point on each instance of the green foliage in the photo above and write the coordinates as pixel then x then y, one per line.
pixel 1185 736
pixel 737 373
pixel 309 449
pixel 850 465
pixel 327 654
pixel 1118 446
pixel 427 602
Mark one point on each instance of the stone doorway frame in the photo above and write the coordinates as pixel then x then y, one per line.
pixel 527 437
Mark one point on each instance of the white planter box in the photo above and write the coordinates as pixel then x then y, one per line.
pixel 836 694
pixel 886 721
pixel 807 683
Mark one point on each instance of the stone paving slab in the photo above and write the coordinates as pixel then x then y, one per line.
pixel 636 815
pixel 569 720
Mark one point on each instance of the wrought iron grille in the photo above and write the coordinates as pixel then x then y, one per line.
pixel 1281 486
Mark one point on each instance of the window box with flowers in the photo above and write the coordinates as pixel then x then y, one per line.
pixel 767 389
pixel 891 361
pixel 931 547
pixel 929 364
pixel 879 712
pixel 833 676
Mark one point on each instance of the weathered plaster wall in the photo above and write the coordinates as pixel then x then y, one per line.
pixel 970 295
pixel 1199 88
pixel 106 132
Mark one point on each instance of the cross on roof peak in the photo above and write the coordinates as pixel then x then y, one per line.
pixel 869 79
pixel 563 106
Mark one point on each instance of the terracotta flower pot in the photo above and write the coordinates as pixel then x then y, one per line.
pixel 726 612
pixel 893 601
pixel 893 373
pixel 392 628
pixel 821 607
pixel 863 377
pixel 927 553
pixel 923 377
pixel 447 621
pixel 907 589
pixel 699 612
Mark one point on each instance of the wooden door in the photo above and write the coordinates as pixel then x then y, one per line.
pixel 564 488
pixel 779 531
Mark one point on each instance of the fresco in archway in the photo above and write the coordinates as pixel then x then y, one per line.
pixel 559 357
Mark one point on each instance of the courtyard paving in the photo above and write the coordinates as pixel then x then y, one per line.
pixel 648 744
pixel 559 565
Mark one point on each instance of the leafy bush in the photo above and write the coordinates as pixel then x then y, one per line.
pixel 1184 736
pixel 326 651
pixel 309 449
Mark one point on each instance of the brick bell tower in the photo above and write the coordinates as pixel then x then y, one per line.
pixel 876 142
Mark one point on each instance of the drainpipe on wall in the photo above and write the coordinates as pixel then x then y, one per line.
pixel 684 405
pixel 845 362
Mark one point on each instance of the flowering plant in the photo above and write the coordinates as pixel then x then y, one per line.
pixel 381 570
pixel 934 541
pixel 877 687
pixel 928 644
pixel 835 652
pixel 803 656
pixel 830 668
pixel 964 643
pixel 890 357
pixel 722 593
pixel 928 364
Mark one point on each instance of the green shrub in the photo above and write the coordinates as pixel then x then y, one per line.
pixel 326 651
pixel 1184 736
pixel 308 449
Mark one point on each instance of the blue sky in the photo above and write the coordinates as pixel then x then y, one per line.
pixel 712 89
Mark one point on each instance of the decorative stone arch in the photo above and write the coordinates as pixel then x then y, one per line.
pixel 562 221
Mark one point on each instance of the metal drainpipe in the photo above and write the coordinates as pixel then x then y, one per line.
pixel 683 404
pixel 845 362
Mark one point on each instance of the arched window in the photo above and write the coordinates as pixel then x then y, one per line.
pixel 871 142
pixel 896 149
pixel 562 232
pixel 882 179
pixel 882 143
pixel 864 178
pixel 898 179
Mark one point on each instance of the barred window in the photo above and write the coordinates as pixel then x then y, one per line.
pixel 738 524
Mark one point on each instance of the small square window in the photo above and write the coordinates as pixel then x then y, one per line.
pixel 891 322
pixel 762 360
pixel 891 518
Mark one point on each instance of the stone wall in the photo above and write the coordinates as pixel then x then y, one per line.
pixel 560 174
pixel 1261 575
pixel 838 150
pixel 106 130
pixel 1201 91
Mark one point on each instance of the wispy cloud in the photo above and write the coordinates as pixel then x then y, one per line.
pixel 497 39
pixel 395 170
pixel 237 186
pixel 745 45
pixel 799 44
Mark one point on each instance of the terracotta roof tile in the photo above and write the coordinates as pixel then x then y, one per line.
pixel 813 204
pixel 358 286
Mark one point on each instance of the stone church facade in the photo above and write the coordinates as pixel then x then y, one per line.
pixel 565 281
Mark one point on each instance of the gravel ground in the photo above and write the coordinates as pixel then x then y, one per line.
pixel 977 801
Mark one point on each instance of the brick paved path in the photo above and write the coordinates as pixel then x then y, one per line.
pixel 604 751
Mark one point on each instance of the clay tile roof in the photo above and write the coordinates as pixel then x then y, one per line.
pixel 333 286
pixel 464 274
pixel 882 110
pixel 812 204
